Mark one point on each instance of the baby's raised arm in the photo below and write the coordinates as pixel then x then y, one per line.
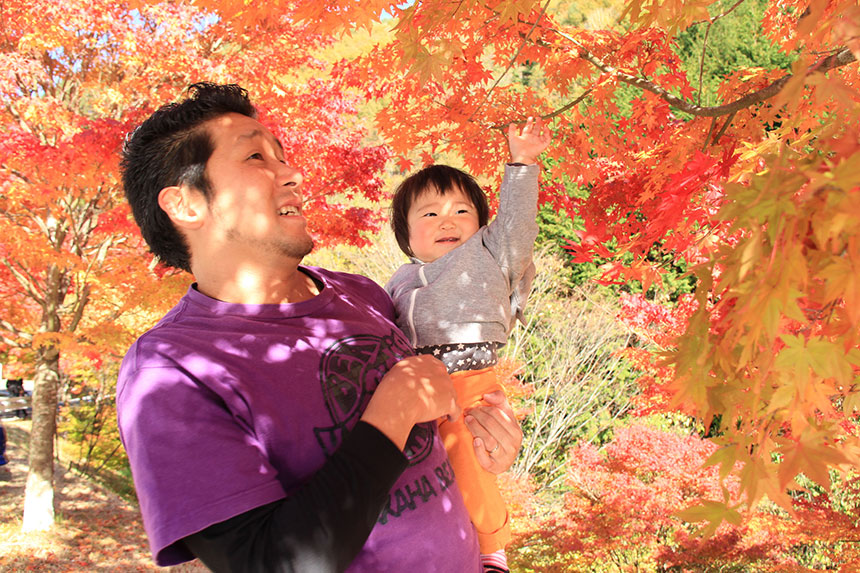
pixel 529 142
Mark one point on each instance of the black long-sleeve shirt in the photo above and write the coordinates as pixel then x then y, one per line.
pixel 320 527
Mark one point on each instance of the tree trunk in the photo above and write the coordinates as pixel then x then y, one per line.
pixel 39 493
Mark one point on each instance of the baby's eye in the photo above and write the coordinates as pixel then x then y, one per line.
pixel 429 214
pixel 255 156
pixel 462 211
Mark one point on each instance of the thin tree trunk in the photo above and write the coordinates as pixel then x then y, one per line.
pixel 39 493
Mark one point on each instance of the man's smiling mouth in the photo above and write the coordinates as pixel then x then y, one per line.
pixel 289 210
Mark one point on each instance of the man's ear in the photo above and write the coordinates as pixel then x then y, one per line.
pixel 185 206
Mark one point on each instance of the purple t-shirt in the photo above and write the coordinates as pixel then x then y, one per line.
pixel 226 407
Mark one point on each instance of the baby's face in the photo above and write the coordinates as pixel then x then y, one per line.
pixel 440 223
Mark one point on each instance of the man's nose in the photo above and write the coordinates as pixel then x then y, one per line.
pixel 289 176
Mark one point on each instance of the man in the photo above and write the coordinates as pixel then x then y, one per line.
pixel 276 419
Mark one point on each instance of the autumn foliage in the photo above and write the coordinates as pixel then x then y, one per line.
pixel 752 189
pixel 625 502
pixel 78 284
pixel 757 195
pixel 72 92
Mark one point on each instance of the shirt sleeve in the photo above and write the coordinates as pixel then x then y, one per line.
pixel 193 471
pixel 321 526
pixel 511 234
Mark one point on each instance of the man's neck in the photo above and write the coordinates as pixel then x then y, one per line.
pixel 246 286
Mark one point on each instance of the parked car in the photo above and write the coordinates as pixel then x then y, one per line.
pixel 10 404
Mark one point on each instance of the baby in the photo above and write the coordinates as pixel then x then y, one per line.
pixel 460 295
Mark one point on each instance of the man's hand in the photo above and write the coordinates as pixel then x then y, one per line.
pixel 498 436
pixel 416 389
pixel 528 143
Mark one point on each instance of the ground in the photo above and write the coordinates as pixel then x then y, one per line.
pixel 95 530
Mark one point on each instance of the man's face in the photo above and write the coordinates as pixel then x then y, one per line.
pixel 255 205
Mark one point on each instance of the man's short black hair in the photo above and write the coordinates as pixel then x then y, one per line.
pixel 171 148
pixel 439 178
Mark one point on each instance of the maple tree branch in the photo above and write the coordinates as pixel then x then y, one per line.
pixel 60 232
pixel 10 342
pixel 15 113
pixel 711 22
pixel 8 326
pixel 8 41
pixel 566 107
pixel 15 218
pixel 83 294
pixel 723 129
pixel 710 131
pixel 84 221
pixel 702 64
pixel 20 175
pixel 511 62
pixel 840 58
pixel 587 493
pixel 552 114
pixel 26 281
pixel 38 220
pixel 715 18
pixel 80 305
pixel 457 9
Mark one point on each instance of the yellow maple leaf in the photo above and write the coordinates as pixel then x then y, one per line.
pixel 713 512
pixel 760 478
pixel 847 29
pixel 842 282
pixel 726 457
pixel 851 403
pixel 792 92
pixel 511 9
pixel 812 455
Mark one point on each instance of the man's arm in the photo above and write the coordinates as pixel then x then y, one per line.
pixel 323 525
pixel 320 527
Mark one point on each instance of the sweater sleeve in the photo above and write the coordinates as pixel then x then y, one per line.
pixel 320 527
pixel 511 235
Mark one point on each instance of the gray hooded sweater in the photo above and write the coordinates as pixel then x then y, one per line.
pixel 475 292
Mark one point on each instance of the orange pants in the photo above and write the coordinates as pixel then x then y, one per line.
pixel 480 492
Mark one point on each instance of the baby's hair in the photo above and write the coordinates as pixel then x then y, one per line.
pixel 439 178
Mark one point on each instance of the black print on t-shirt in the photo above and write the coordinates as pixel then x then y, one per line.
pixel 350 370
pixel 410 496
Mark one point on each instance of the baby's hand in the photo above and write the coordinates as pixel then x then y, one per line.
pixel 527 144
